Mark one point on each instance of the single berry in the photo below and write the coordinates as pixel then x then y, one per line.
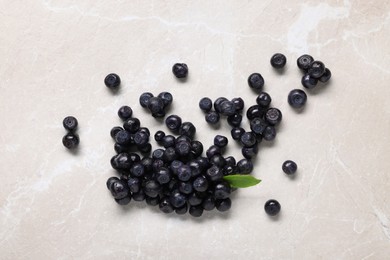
pixel 173 122
pixel 156 106
pixel 71 140
pixel 180 70
pixel 125 112
pixel 256 81
pixel 70 123
pixel 244 166
pixel 110 181
pixel 158 154
pixel 177 199
pixel 196 168
pixel 263 99
pixel 166 97
pixel 132 125
pixel 223 205
pixel 208 203
pixel 138 196
pixel 163 175
pixel 165 206
pixel 258 125
pixel 196 148
pixel 144 99
pixel 159 136
pixel 304 62
pixel 326 76
pixel 115 130
pixel 316 69
pixel 248 139
pixel 146 148
pixel 112 81
pixel 218 161
pixel 152 188
pixel 205 104
pixel 227 108
pixel 249 152
pixel 196 211
pixel 230 161
pixel 213 150
pixel 222 190
pixel 218 102
pixel 119 189
pixel 195 199
pixel 272 207
pixel 308 81
pixel 184 173
pixel 278 60
pixel 168 141
pixel 134 184
pixel 200 184
pixel 238 103
pixel 183 210
pixel 255 111
pixel 297 98
pixel 269 133
pixel 144 130
pixel 183 148
pixel 121 161
pixel 273 116
pixel 123 201
pixel 289 167
pixel 175 165
pixel 237 132
pixel 185 187
pixel 214 173
pixel 187 129
pixel 220 141
pixel 234 120
pixel 141 138
pixel 123 137
pixel 212 117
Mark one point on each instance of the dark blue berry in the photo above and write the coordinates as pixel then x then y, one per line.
pixel 228 170
pixel 158 136
pixel 121 161
pixel 146 148
pixel 119 148
pixel 152 188
pixel 132 125
pixel 289 167
pixel 196 148
pixel 223 205
pixel 273 116
pixel 187 129
pixel 147 163
pixel 297 98
pixel 263 99
pixel 208 203
pixel 139 196
pixel 194 199
pixel 218 102
pixel 308 81
pixel 220 141
pixel 244 166
pixel 134 184
pixel 237 132
pixel 272 207
pixel 177 199
pixel 169 155
pixel 152 201
pixel 175 165
pixel 173 122
pixel 230 161
pixel 182 138
pixel 249 152
pixel 123 201
pixel 71 140
pixel 196 211
pixel 137 169
pixel 218 160
pixel 144 130
pixel 70 123
pixel 135 158
pixel 196 168
pixel 185 187
pixel 203 162
pixel 112 81
pixel 212 117
pixel 125 112
pixel 205 104
pixel 168 141
pixel 238 104
pixel 316 69
pixel 166 97
pixel 163 175
pixel 255 111
pixel 180 70
pixel 158 154
pixel 200 184
pixel 258 125
pixel 278 60
pixel 222 190
pixel 184 173
pixel 165 206
pixel 234 120
pixel 269 133
pixel 213 150
pixel 304 62
pixel 326 76
pixel 144 99
pixel 183 148
pixel 256 81
pixel 119 189
pixel 227 108
pixel 141 138
pixel 156 106
pixel 214 173
pixel 248 139
pixel 110 181
pixel 123 137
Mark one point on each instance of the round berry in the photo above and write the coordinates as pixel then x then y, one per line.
pixel 110 181
pixel 119 189
pixel 208 203
pixel 249 152
pixel 304 62
pixel 263 99
pixel 269 133
pixel 196 148
pixel 70 123
pixel 125 112
pixel 112 81
pixel 220 141
pixel 214 173
pixel 212 117
pixel 169 141
pixel 144 99
pixel 123 137
pixel 234 120
pixel 177 199
pixel 132 125
pixel 200 184
pixel 258 125
pixel 308 81
pixel 223 205
pixel 255 111
pixel 205 104
pixel 180 70
pixel 222 190
pixel 316 69
pixel 138 196
pixel 173 122
pixel 272 207
pixel 156 105
pixel 297 98
pixel 244 166
pixel 166 97
pixel 238 103
pixel 184 173
pixel 187 129
pixel 196 211
pixel 326 76
pixel 256 81
pixel 289 167
pixel 278 60
pixel 134 184
pixel 141 138
pixel 163 175
pixel 213 150
pixel 183 210
pixel 165 206
pixel 227 108
pixel 152 188
pixel 237 132
pixel 248 139
pixel 218 102
pixel 71 140
pixel 115 130
pixel 273 116
pixel 159 136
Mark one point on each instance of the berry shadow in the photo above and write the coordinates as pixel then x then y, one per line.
pixel 281 71
pixel 320 88
pixel 76 151
pixel 183 80
pixel 276 218
pixel 115 91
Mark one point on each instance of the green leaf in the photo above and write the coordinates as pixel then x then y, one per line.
pixel 241 180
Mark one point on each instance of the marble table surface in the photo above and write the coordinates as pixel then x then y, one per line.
pixel 54 56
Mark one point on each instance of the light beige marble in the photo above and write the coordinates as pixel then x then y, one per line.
pixel 54 55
